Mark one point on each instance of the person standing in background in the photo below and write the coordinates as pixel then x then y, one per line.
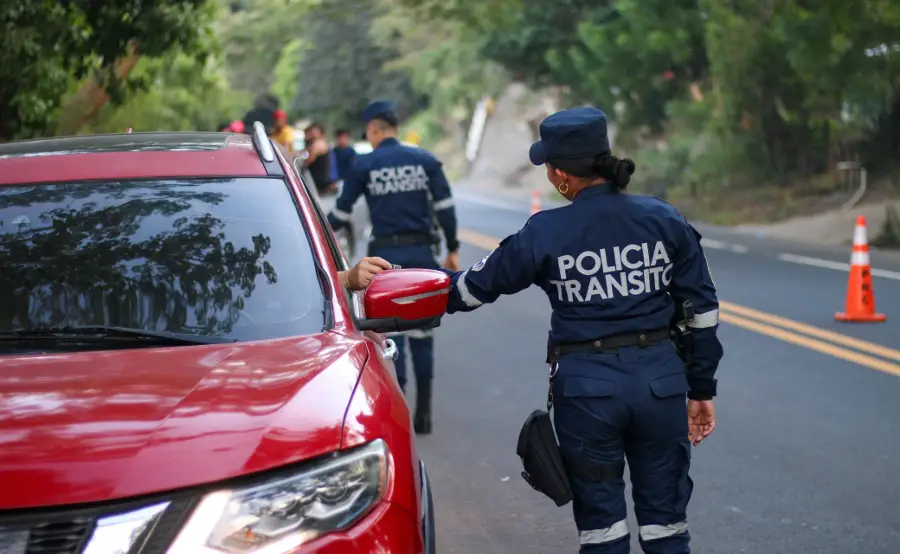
pixel 343 154
pixel 317 159
pixel 284 133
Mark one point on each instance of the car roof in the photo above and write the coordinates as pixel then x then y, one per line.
pixel 129 156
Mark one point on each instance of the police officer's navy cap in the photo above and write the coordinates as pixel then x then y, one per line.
pixel 571 134
pixel 378 108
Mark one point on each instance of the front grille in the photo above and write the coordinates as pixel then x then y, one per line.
pixel 63 537
pixel 68 531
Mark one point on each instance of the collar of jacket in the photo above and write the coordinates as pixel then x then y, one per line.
pixel 390 141
pixel 594 190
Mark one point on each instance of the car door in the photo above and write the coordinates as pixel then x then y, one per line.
pixel 386 346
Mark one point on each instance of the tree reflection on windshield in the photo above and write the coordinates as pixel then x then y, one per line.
pixel 213 257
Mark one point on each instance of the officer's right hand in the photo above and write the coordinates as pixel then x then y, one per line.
pixel 701 420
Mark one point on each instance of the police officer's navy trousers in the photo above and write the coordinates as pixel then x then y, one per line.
pixel 631 404
pixel 421 343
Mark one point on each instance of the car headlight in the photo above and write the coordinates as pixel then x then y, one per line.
pixel 279 515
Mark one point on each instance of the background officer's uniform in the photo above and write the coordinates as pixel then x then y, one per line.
pixel 613 265
pixel 404 187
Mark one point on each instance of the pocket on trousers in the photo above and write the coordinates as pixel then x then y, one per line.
pixel 585 387
pixel 670 385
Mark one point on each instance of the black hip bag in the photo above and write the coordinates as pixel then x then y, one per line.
pixel 544 468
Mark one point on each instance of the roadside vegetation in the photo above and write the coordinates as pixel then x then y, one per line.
pixel 737 111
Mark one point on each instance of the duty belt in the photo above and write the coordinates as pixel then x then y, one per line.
pixel 402 239
pixel 608 344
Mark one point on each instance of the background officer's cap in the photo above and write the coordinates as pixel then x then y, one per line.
pixel 379 108
pixel 570 134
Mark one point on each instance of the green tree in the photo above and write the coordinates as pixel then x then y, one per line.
pixel 784 75
pixel 344 68
pixel 641 55
pixel 287 70
pixel 44 45
pixel 254 34
pixel 187 95
pixel 442 58
pixel 481 15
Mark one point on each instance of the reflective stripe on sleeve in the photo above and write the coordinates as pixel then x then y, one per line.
pixel 464 293
pixel 443 204
pixel 705 320
pixel 340 215
pixel 656 532
pixel 615 531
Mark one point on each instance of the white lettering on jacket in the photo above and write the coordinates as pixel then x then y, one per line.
pixel 632 270
pixel 395 179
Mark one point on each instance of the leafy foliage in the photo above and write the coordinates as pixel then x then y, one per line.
pixel 187 95
pixel 442 59
pixel 783 85
pixel 254 34
pixel 344 69
pixel 44 45
pixel 287 70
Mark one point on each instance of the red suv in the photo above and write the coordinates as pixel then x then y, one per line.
pixel 180 369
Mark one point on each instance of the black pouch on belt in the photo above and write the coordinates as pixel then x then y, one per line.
pixel 542 460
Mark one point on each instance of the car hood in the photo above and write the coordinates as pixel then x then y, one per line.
pixel 92 426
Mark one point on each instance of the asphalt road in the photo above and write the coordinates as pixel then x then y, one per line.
pixel 806 456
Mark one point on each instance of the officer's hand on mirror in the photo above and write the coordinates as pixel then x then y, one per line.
pixel 452 261
pixel 359 276
pixel 701 420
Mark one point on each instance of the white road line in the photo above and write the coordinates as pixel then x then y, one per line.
pixel 828 264
pixel 714 244
pixel 719 245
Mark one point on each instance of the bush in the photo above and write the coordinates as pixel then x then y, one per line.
pixel 889 237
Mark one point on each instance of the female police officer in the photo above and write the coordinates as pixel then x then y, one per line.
pixel 613 265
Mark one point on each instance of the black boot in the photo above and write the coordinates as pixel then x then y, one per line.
pixel 422 420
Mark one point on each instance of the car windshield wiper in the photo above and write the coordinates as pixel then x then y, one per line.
pixel 102 332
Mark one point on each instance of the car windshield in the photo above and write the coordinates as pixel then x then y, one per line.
pixel 209 257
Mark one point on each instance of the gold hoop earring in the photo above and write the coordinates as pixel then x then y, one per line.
pixel 563 188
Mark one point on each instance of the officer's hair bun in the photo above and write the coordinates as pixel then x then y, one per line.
pixel 617 172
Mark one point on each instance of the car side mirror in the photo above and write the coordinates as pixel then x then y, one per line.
pixel 405 299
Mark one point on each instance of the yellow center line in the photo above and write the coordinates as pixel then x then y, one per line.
pixel 477 239
pixel 782 328
pixel 812 331
pixel 813 344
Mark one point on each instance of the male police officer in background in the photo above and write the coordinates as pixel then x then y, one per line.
pixel 404 186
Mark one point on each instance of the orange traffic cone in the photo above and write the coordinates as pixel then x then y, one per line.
pixel 860 296
pixel 535 202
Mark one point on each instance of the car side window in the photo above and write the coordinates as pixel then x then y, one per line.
pixel 336 252
pixel 354 298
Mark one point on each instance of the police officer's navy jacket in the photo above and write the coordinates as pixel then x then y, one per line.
pixel 610 263
pixel 402 185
